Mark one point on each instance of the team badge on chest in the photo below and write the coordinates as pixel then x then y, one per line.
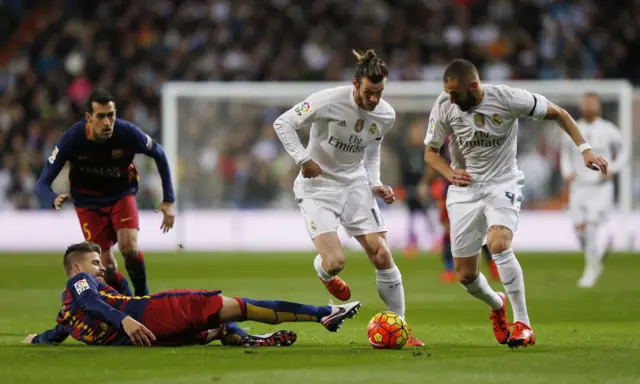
pixel 373 129
pixel 496 119
pixel 359 125
pixel 478 120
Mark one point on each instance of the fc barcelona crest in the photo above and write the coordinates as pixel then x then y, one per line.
pixel 478 119
pixel 373 129
pixel 117 153
pixel 359 125
pixel 496 119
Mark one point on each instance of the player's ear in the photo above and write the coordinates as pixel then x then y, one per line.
pixel 355 82
pixel 87 116
pixel 474 85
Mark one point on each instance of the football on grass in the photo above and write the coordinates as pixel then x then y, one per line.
pixel 387 330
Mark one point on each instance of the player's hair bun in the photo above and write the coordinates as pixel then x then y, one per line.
pixel 364 57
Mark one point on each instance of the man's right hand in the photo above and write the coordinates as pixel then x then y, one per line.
pixel 311 169
pixel 140 335
pixel 60 199
pixel 460 178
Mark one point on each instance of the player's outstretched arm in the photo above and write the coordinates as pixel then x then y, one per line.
pixel 458 177
pixel 51 170
pixel 569 125
pixel 52 336
pixel 300 116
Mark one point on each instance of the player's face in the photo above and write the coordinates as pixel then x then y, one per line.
pixel 590 107
pixel 461 93
pixel 92 265
pixel 367 93
pixel 102 120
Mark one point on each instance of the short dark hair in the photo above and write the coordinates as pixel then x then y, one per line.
pixel 73 252
pixel 460 69
pixel 99 96
pixel 370 66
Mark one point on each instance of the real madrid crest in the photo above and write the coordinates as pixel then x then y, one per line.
pixel 478 119
pixel 313 226
pixel 373 129
pixel 359 125
pixel 496 119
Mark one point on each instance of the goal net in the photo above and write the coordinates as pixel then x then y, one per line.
pixel 228 162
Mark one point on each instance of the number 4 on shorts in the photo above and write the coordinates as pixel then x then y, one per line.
pixel 512 198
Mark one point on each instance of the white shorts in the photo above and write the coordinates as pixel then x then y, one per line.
pixel 472 210
pixel 590 203
pixel 354 207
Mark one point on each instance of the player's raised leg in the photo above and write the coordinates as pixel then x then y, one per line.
pixel 499 242
pixel 467 232
pixel 97 228
pixel 124 219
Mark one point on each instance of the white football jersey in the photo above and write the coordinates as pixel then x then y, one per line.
pixel 484 138
pixel 344 140
pixel 605 140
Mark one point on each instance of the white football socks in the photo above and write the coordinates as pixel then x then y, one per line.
pixel 593 251
pixel 317 263
pixel 581 240
pixel 390 289
pixel 513 282
pixel 480 289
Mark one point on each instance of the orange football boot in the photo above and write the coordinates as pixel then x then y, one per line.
pixel 499 320
pixel 338 288
pixel 413 342
pixel 522 336
pixel 448 277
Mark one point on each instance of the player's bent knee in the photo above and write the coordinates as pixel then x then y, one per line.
pixel 499 239
pixel 382 259
pixel 466 278
pixel 128 240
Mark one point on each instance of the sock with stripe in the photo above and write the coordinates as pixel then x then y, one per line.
pixel 276 312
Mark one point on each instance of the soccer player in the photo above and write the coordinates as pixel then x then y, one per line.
pixel 339 176
pixel 485 194
pixel 95 313
pixel 591 197
pixel 104 183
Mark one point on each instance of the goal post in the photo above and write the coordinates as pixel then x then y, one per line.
pixel 405 97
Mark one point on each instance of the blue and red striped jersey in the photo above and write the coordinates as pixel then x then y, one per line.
pixel 92 313
pixel 102 172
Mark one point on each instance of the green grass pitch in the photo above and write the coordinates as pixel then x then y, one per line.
pixel 582 336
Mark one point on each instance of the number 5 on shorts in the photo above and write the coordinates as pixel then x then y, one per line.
pixel 87 232
pixel 512 198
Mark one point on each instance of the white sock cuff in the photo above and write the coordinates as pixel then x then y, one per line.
pixel 317 263
pixel 388 275
pixel 503 256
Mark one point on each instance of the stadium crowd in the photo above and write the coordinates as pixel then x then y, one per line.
pixel 132 48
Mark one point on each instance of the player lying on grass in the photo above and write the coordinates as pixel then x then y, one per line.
pixel 95 313
pixel 104 182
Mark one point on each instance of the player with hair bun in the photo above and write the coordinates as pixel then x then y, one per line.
pixel 339 177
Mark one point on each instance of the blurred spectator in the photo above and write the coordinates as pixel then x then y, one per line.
pixel 229 154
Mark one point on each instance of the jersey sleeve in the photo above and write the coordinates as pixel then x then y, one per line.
pixel 144 144
pixel 526 104
pixel 84 289
pixel 54 164
pixel 437 130
pixel 52 336
pixel 301 115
